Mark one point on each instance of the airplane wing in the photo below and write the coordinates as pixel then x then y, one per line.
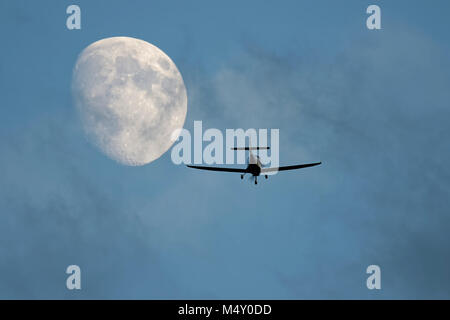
pixel 297 166
pixel 219 169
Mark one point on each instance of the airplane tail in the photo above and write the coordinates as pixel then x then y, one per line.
pixel 252 159
pixel 250 148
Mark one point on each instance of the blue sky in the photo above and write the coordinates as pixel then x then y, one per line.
pixel 371 105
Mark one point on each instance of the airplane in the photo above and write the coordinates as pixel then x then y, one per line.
pixel 255 167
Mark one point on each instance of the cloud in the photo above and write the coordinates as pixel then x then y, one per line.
pixel 375 114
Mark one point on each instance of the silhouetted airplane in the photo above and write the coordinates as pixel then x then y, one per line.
pixel 255 167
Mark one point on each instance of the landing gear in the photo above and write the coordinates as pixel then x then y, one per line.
pixel 242 176
pixel 266 176
pixel 256 180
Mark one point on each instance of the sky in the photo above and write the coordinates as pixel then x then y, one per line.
pixel 372 105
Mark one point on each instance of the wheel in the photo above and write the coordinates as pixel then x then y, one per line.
pixel 256 181
pixel 242 176
pixel 266 176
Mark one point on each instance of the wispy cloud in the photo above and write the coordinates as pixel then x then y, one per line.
pixel 375 115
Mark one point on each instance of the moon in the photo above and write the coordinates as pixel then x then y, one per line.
pixel 130 97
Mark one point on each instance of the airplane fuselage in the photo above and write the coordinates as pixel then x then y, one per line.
pixel 254 169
